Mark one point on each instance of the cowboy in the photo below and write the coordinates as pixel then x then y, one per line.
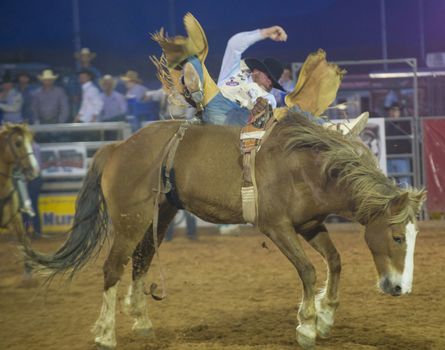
pixel 84 57
pixel 133 84
pixel 50 102
pixel 11 100
pixel 91 102
pixel 243 90
pixel 239 83
pixel 114 103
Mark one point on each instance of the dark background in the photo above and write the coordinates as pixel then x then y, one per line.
pixel 118 31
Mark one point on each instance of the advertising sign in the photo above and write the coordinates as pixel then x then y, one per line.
pixel 56 212
pixel 63 160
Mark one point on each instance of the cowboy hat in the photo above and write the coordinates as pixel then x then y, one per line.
pixel 131 75
pixel 107 77
pixel 269 66
pixel 47 74
pixel 85 52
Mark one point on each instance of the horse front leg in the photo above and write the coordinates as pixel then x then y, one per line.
pixel 287 241
pixel 328 300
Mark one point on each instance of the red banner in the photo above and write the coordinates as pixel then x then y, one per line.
pixel 434 159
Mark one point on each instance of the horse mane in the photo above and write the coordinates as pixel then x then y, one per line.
pixel 352 165
pixel 21 128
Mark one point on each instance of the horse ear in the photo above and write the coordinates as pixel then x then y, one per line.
pixel 421 196
pixel 398 203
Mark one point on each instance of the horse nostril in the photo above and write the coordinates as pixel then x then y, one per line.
pixel 398 289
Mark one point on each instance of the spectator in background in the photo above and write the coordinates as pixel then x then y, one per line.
pixel 190 232
pixel 135 89
pixel 114 104
pixel 50 102
pixel 27 89
pixel 169 110
pixel 398 128
pixel 286 80
pixel 135 95
pixel 287 83
pixel 11 100
pixel 91 104
pixel 85 56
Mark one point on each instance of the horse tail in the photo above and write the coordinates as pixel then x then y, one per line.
pixel 90 225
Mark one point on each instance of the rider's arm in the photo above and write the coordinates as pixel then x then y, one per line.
pixel 240 42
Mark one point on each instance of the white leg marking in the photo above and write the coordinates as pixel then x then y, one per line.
pixel 136 306
pixel 325 316
pixel 104 328
pixel 407 276
pixel 32 158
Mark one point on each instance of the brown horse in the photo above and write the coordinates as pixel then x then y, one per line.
pixel 304 173
pixel 15 153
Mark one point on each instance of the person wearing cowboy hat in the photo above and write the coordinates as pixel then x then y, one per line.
pixel 114 104
pixel 11 100
pixel 243 90
pixel 50 102
pixel 231 100
pixel 91 104
pixel 133 84
pixel 84 57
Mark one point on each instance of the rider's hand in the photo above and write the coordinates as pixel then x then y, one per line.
pixel 276 33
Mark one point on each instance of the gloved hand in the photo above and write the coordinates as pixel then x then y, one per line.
pixel 258 110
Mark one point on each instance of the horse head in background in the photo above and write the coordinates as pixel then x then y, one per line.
pixel 16 154
pixel 16 151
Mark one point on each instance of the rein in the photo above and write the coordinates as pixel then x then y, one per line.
pixel 165 187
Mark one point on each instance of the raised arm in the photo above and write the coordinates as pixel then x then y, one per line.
pixel 240 42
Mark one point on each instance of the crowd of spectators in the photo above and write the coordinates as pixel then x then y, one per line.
pixel 85 95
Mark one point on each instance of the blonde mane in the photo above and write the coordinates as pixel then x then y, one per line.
pixel 20 128
pixel 353 166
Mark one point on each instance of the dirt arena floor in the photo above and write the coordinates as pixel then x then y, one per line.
pixel 232 293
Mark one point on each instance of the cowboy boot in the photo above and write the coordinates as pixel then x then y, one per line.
pixel 349 127
pixel 193 85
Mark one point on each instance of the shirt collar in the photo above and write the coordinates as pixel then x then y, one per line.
pixel 87 85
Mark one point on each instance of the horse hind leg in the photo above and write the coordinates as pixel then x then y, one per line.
pixel 120 253
pixel 327 301
pixel 135 302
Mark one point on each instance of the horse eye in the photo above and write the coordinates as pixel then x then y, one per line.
pixel 18 144
pixel 398 240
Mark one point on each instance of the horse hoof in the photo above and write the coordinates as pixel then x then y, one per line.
pixel 148 333
pixel 306 338
pixel 102 346
pixel 323 329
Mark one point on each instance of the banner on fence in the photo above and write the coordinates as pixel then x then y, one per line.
pixel 434 162
pixel 63 160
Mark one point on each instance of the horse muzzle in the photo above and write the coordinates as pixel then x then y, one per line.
pixel 390 287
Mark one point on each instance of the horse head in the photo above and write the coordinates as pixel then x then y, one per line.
pixel 16 146
pixel 391 237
